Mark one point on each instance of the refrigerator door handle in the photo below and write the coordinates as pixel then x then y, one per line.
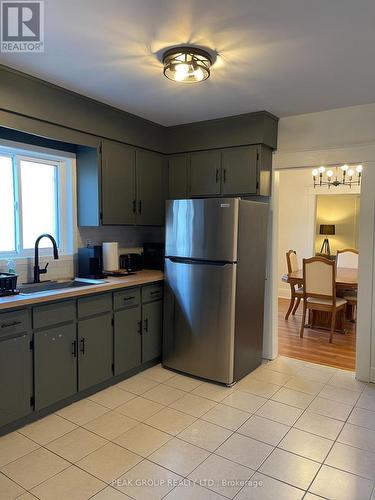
pixel 217 263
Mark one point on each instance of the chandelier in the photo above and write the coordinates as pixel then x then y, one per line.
pixel 340 176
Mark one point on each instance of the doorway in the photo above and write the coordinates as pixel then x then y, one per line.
pixel 307 218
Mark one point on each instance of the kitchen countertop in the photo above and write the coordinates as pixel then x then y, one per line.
pixel 140 278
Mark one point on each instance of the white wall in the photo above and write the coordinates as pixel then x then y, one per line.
pixel 341 127
pixel 296 220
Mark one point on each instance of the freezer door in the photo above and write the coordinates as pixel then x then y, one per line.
pixel 199 319
pixel 202 229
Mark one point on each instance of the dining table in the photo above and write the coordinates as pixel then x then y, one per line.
pixel 346 279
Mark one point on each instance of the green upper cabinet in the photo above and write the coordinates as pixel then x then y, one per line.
pixel 118 184
pixel 151 192
pixel 205 173
pixel 178 177
pixel 239 170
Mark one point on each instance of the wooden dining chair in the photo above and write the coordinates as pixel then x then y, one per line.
pixel 296 293
pixel 348 258
pixel 319 290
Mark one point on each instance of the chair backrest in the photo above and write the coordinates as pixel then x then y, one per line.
pixel 348 257
pixel 292 261
pixel 319 278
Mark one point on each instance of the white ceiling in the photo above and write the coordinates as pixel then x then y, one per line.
pixel 285 56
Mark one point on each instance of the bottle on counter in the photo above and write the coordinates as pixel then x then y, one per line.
pixel 11 266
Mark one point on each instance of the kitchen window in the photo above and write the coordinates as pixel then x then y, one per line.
pixel 33 201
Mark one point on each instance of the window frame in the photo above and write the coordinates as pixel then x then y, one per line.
pixel 63 181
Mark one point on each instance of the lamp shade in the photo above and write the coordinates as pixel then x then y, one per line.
pixel 327 229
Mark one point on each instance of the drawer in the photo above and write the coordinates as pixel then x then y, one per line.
pixel 152 292
pixel 127 298
pixel 14 323
pixel 54 314
pixel 97 304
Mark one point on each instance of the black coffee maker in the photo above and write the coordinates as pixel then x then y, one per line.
pixel 90 262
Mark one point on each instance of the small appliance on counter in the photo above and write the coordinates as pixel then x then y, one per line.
pixel 132 262
pixel 8 284
pixel 153 256
pixel 90 262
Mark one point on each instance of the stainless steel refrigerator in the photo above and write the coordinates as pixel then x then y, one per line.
pixel 214 289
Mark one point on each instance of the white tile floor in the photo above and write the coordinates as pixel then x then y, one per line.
pixel 290 430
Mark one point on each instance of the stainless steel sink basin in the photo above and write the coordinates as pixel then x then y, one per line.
pixel 57 285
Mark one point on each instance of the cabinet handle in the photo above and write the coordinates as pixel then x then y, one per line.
pixel 224 175
pixel 11 323
pixel 83 346
pixel 217 175
pixel 128 298
pixel 140 327
pixel 146 325
pixel 74 349
pixel 134 206
pixel 155 293
pixel 140 206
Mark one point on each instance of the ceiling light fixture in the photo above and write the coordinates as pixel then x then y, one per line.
pixel 187 64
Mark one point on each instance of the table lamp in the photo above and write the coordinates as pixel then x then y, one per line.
pixel 326 230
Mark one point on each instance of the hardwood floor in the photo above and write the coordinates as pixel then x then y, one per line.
pixel 314 346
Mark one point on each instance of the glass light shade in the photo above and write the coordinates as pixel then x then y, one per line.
pixel 322 169
pixel 187 64
pixel 344 168
pixel 359 168
pixel 350 172
pixel 329 173
pixel 315 172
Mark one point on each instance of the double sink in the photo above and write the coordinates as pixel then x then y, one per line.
pixel 47 286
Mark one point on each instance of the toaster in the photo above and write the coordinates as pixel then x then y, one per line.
pixel 131 262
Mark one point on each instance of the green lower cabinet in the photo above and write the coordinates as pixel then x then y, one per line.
pixel 15 377
pixel 152 330
pixel 55 365
pixel 127 336
pixel 95 346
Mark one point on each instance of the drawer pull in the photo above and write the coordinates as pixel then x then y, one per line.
pixel 129 298
pixel 157 292
pixel 146 325
pixel 11 323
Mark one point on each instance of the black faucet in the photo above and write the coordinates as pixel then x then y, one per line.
pixel 37 270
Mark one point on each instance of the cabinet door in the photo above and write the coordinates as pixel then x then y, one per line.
pixel 55 365
pixel 152 314
pixel 15 376
pixel 239 171
pixel 205 173
pixel 151 192
pixel 118 184
pixel 95 340
pixel 177 177
pixel 127 339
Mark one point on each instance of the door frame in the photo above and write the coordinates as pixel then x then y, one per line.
pixel 364 154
